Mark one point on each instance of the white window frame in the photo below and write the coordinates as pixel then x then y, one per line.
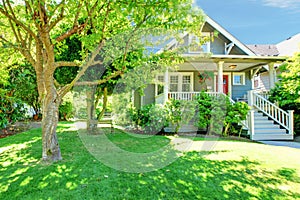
pixel 180 74
pixel 242 75
pixel 159 83
pixel 204 34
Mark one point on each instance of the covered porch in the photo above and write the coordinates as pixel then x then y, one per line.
pixel 232 75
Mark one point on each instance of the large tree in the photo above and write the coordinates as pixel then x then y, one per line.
pixel 38 29
pixel 287 91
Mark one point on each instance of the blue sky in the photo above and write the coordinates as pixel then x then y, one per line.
pixel 255 21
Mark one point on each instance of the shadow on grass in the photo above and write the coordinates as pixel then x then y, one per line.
pixel 81 176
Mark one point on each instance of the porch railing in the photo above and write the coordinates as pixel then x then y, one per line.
pixel 188 96
pixel 283 118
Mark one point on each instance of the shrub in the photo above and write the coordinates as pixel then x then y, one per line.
pixel 66 110
pixel 11 110
pixel 203 111
pixel 236 113
pixel 213 113
pixel 150 118
pixel 180 112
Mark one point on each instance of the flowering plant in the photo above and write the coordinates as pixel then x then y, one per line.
pixel 203 76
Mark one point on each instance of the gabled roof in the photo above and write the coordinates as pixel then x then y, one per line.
pixel 289 46
pixel 229 36
pixel 264 49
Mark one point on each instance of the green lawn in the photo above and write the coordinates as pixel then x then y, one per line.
pixel 208 169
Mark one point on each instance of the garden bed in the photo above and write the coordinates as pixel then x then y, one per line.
pixel 19 127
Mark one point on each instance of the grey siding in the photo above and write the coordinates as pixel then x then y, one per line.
pixel 217 47
pixel 149 96
pixel 238 91
pixel 137 99
pixel 265 80
pixel 237 51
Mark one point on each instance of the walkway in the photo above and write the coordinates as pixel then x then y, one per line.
pixel 291 144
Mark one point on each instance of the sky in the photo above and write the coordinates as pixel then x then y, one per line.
pixel 255 21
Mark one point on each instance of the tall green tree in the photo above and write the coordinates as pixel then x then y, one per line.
pixel 287 90
pixel 34 29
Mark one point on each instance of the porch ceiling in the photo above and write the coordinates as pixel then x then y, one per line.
pixel 242 62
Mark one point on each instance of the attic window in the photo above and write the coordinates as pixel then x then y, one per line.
pixel 196 46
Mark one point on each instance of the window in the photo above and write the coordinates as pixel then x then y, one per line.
pixel 160 84
pixel 238 79
pixel 186 83
pixel 178 82
pixel 196 46
pixel 174 83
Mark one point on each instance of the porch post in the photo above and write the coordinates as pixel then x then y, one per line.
pixel 250 98
pixel 291 121
pixel 220 76
pixel 166 86
pixel 251 124
pixel 272 75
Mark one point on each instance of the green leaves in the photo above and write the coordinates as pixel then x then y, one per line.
pixel 150 118
pixel 11 109
pixel 287 90
pixel 213 113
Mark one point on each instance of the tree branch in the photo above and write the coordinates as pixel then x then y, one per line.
pixel 60 17
pixel 92 83
pixel 25 52
pixel 18 22
pixel 66 64
pixel 69 33
pixel 89 63
pixel 78 28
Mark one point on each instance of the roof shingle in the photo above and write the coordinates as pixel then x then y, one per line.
pixel 264 49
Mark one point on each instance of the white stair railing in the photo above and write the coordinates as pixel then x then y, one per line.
pixel 283 118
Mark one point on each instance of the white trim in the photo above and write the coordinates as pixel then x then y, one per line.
pixel 238 74
pixel 229 82
pixel 229 36
pixel 156 83
pixel 228 48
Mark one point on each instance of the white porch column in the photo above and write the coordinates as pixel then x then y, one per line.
pixel 220 76
pixel 272 75
pixel 291 122
pixel 251 124
pixel 166 86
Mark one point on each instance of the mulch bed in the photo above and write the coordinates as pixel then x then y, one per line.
pixel 18 127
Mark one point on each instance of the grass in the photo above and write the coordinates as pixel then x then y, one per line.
pixel 208 169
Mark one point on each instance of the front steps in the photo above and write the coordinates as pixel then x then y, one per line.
pixel 265 129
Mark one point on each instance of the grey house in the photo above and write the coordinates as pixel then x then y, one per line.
pixel 223 65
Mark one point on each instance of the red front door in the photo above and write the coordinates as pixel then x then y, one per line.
pixel 225 84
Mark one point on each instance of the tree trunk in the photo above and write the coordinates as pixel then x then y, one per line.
pixel 92 122
pixel 51 149
pixel 104 104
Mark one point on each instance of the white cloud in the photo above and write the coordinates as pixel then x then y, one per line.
pixel 289 4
